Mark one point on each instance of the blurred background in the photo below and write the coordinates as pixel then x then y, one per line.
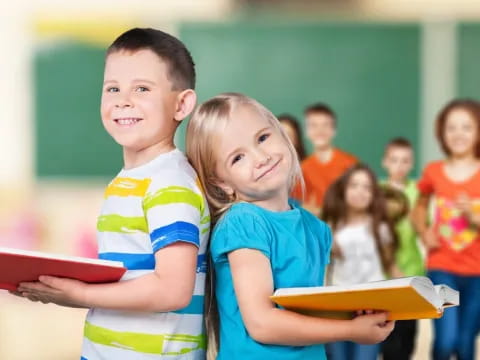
pixel 385 66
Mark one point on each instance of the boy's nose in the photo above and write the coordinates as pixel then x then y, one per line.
pixel 123 101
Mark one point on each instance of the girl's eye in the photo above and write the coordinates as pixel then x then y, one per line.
pixel 141 89
pixel 113 89
pixel 237 158
pixel 263 137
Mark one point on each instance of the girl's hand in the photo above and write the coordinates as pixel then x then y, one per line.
pixel 430 239
pixel 370 327
pixel 336 251
pixel 464 204
pixel 60 291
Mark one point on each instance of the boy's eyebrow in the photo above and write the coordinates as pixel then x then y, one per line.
pixel 134 80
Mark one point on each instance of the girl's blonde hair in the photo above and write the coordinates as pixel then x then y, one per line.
pixel 203 132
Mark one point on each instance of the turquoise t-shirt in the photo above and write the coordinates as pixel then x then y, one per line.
pixel 298 247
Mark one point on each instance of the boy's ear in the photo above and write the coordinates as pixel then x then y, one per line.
pixel 186 101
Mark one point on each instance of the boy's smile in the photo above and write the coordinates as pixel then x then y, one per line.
pixel 127 121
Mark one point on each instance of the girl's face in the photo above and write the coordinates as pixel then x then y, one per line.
pixel 461 132
pixel 359 191
pixel 253 160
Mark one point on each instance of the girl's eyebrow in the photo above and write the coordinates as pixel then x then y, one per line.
pixel 254 136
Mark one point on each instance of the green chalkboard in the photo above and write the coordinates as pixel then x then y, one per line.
pixel 468 64
pixel 369 73
pixel 70 140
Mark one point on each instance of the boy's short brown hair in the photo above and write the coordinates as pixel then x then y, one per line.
pixel 321 108
pixel 181 68
pixel 398 142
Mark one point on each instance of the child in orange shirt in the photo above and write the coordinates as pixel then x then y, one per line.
pixel 453 238
pixel 327 163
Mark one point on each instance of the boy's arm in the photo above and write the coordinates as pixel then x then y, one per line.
pixel 253 282
pixel 169 287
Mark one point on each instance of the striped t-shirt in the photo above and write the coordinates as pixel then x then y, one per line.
pixel 146 209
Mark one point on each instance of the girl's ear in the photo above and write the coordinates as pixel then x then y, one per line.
pixel 225 187
pixel 186 101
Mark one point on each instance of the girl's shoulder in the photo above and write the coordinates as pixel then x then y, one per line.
pixel 241 214
pixel 434 166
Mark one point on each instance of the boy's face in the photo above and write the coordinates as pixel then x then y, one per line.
pixel 320 129
pixel 398 162
pixel 138 103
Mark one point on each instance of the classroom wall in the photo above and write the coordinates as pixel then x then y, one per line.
pixel 56 211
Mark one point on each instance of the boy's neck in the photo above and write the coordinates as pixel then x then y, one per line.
pixel 136 158
pixel 324 154
pixel 400 184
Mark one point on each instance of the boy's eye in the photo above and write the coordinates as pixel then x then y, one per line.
pixel 237 158
pixel 113 89
pixel 263 137
pixel 141 89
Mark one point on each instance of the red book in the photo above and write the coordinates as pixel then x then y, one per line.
pixel 18 266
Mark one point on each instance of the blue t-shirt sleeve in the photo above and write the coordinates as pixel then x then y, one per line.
pixel 239 230
pixel 327 241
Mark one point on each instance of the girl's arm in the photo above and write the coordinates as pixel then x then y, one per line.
pixel 419 218
pixel 464 203
pixel 253 283
pixel 169 287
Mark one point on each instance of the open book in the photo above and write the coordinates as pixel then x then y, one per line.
pixel 20 266
pixel 404 298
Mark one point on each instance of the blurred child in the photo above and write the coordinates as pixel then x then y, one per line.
pixel 261 241
pixel 327 163
pixel 154 219
pixel 453 239
pixel 364 243
pixel 291 127
pixel 398 163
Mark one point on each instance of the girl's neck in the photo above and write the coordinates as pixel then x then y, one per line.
pixel 276 203
pixel 462 159
pixel 355 217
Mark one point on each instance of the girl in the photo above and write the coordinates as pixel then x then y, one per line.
pixel 452 240
pixel 261 242
pixel 364 242
pixel 292 129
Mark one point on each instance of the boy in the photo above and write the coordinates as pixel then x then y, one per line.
pixel 155 218
pixel 398 162
pixel 327 163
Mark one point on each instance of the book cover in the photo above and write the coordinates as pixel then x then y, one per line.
pixel 18 266
pixel 404 299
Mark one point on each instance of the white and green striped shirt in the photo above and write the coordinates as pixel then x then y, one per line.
pixel 146 209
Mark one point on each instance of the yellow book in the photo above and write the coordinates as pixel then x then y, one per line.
pixel 406 298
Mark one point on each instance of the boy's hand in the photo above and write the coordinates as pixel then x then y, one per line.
pixel 50 289
pixel 371 328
